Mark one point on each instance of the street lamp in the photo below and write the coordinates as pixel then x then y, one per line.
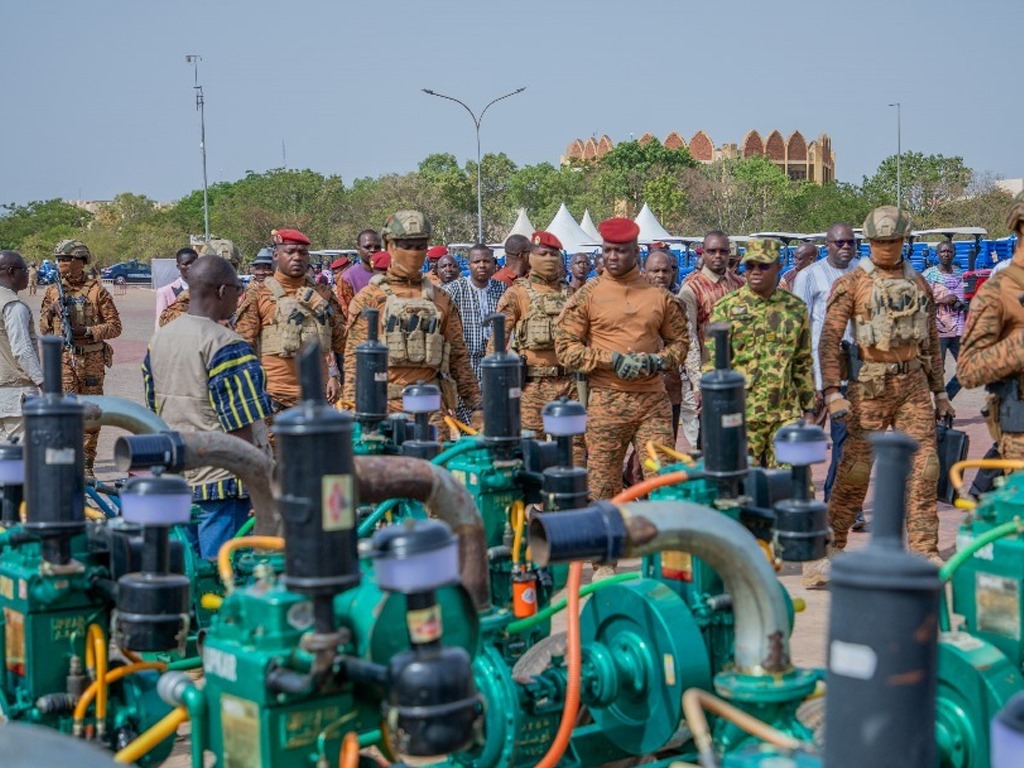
pixel 899 155
pixel 476 122
pixel 194 60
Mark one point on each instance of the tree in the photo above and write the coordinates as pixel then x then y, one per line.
pixel 625 171
pixel 44 220
pixel 927 181
pixel 813 207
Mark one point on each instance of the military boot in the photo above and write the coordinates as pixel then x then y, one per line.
pixel 816 574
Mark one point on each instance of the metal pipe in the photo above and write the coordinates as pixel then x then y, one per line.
pixel 117 412
pixel 387 477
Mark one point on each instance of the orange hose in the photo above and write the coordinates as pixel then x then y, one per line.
pixel 574 656
pixel 349 756
pixel 112 676
pixel 644 487
pixel 96 662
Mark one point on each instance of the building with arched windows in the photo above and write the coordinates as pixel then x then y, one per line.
pixel 800 159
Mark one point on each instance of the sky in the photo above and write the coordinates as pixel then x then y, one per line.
pixel 98 98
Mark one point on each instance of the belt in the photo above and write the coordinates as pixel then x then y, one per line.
pixel 81 349
pixel 545 371
pixel 907 366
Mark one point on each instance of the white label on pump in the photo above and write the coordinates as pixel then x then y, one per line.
pixel 730 420
pixel 668 664
pixel 220 664
pixel 380 376
pixel 514 393
pixel 63 456
pixel 852 660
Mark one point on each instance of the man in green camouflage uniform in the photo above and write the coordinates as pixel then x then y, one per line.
pixel 771 347
pixel 94 319
pixel 892 312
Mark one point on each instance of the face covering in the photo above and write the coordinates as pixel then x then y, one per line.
pixel 886 253
pixel 546 266
pixel 407 264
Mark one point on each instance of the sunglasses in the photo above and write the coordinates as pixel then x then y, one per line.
pixel 723 251
pixel 411 245
pixel 841 243
pixel 757 266
pixel 71 258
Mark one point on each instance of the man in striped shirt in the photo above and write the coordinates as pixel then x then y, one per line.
pixel 813 284
pixel 947 282
pixel 200 376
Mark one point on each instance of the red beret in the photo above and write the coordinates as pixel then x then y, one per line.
pixel 546 239
pixel 437 252
pixel 619 230
pixel 381 260
pixel 339 262
pixel 289 236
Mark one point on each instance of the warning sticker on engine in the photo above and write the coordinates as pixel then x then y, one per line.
pixel 998 600
pixel 337 503
pixel 732 420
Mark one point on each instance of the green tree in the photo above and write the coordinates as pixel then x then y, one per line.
pixel 624 173
pixel 927 181
pixel 813 207
pixel 42 220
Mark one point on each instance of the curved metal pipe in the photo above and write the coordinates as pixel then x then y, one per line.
pixel 381 478
pixel 118 412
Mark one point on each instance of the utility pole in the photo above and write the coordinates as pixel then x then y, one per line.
pixel 899 156
pixel 194 60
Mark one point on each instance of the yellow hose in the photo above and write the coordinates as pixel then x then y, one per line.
pixel 458 426
pixel 112 677
pixel 956 472
pixel 517 519
pixel 96 663
pixel 652 456
pixel 95 515
pixel 696 701
pixel 348 757
pixel 157 732
pixel 224 567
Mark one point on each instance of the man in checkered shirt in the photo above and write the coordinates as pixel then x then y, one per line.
pixel 476 297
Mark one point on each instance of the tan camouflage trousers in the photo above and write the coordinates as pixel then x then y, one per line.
pixel 1011 446
pixel 539 392
pixel 616 419
pixel 760 440
pixel 907 407
pixel 85 378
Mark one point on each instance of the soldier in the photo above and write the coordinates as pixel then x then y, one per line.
pixel 892 381
pixel 33 280
pixel 419 323
pixel 262 266
pixel 434 256
pixel 278 316
pixel 622 332
pixel 90 310
pixel 517 260
pixel 992 352
pixel 771 347
pixel 699 293
pixel 531 308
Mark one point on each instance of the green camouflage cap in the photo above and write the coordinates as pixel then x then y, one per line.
pixel 762 251
pixel 1016 216
pixel 411 225
pixel 887 223
pixel 71 248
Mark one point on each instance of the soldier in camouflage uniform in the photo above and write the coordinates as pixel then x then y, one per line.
pixel 622 332
pixel 531 308
pixel 419 323
pixel 992 348
pixel 893 315
pixel 771 347
pixel 94 319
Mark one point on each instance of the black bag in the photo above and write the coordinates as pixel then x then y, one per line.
pixel 952 446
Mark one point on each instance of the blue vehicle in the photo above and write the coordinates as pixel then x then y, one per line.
pixel 47 273
pixel 133 271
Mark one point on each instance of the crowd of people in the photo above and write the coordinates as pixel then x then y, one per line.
pixel 859 343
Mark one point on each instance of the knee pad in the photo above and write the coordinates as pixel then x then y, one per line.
pixel 931 468
pixel 860 472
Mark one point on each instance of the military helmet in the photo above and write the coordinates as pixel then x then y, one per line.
pixel 407 224
pixel 1015 218
pixel 887 223
pixel 72 248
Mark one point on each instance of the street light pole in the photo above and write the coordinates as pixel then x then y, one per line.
pixel 899 156
pixel 476 122
pixel 194 60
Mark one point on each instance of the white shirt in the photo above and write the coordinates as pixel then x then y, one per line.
pixel 814 285
pixel 17 320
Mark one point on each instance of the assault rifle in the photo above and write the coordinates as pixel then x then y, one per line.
pixel 65 320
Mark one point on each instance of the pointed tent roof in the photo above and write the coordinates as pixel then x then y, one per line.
pixel 522 226
pixel 588 226
pixel 565 228
pixel 650 227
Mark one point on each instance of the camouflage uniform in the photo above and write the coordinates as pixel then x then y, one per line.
pixel 894 387
pixel 992 348
pixel 92 306
pixel 771 347
pixel 175 309
pixel 619 315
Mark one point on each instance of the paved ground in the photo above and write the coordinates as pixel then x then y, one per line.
pixel 809 637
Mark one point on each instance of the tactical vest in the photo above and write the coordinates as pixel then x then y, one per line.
pixel 298 318
pixel 896 313
pixel 536 330
pixel 83 302
pixel 412 328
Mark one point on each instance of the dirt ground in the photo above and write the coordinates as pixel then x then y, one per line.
pixel 124 379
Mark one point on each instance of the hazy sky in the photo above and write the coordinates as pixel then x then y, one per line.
pixel 97 96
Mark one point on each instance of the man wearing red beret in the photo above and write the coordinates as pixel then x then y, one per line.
pixel 268 320
pixel 531 308
pixel 517 264
pixel 622 332
pixel 434 255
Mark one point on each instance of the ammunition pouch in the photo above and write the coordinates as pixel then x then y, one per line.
pixel 412 328
pixel 1005 405
pixel 871 376
pixel 532 372
pixel 536 330
pixel 297 319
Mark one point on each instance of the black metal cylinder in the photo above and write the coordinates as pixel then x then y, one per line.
pixel 501 386
pixel 152 610
pixel 161 449
pixel 11 497
pixel 723 421
pixel 564 488
pixel 595 534
pixel 54 461
pixel 371 375
pixel 318 494
pixel 883 636
pixel 12 456
pixel 421 449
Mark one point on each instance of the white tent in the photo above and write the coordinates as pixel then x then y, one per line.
pixel 588 226
pixel 650 227
pixel 565 228
pixel 522 226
